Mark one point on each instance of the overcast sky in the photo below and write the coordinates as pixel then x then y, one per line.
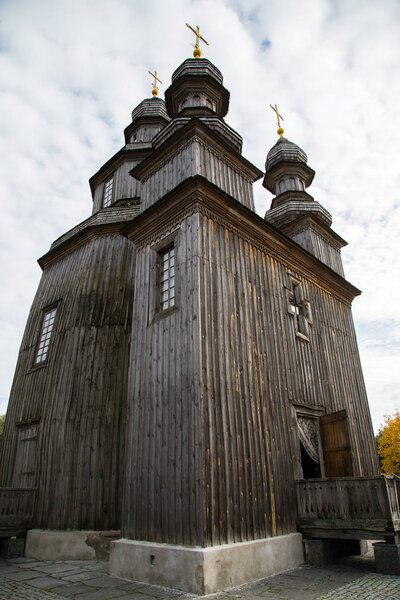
pixel 71 71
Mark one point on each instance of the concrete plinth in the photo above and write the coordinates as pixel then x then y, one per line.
pixel 69 545
pixel 387 558
pixel 205 570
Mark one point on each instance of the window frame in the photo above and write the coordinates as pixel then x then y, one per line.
pixel 156 251
pixel 47 310
pixel 108 195
pixel 164 278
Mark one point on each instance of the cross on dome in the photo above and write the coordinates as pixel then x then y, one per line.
pixel 197 51
pixel 280 130
pixel 155 88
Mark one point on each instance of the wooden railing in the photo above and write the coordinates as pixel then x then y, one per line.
pixel 16 507
pixel 368 506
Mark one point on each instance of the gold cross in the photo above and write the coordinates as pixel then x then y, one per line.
pixel 280 130
pixel 155 88
pixel 197 51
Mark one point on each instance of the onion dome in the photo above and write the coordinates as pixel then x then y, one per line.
pixel 147 119
pixel 197 90
pixel 150 107
pixel 286 168
pixel 284 150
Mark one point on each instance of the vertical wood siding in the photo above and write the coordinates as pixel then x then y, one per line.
pixel 212 446
pixel 197 159
pixel 164 479
pixel 253 366
pixel 80 395
pixel 320 247
pixel 124 185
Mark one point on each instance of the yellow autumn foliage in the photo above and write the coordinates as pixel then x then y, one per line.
pixel 389 445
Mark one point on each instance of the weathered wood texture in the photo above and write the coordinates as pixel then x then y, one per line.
pixel 336 445
pixel 342 506
pixel 318 245
pixel 78 398
pixel 253 367
pixel 124 186
pixel 16 509
pixel 212 447
pixel 197 158
pixel 163 474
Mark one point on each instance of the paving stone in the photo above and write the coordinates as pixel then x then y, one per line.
pixel 13 590
pixel 4 569
pixel 77 576
pixel 96 566
pixel 71 590
pixel 104 581
pixel 46 583
pixel 27 579
pixel 131 586
pixel 31 565
pixel 23 575
pixel 57 568
pixel 103 594
pixel 375 587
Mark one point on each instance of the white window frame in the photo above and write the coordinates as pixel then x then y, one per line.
pixel 46 331
pixel 166 259
pixel 108 191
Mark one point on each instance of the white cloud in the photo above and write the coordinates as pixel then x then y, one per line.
pixel 73 71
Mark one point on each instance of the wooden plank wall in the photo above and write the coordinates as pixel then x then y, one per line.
pixel 215 463
pixel 124 185
pixel 254 367
pixel 320 247
pixel 197 158
pixel 164 480
pixel 80 395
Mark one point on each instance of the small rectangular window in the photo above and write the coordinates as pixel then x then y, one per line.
pixel 108 191
pixel 47 328
pixel 167 278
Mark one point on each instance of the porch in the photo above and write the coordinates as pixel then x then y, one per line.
pixel 352 508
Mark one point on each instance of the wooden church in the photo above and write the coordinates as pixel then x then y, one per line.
pixel 185 360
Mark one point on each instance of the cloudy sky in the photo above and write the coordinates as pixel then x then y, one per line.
pixel 72 70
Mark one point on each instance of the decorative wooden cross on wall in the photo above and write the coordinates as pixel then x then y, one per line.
pixel 299 308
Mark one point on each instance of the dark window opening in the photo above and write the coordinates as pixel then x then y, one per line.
pixel 311 469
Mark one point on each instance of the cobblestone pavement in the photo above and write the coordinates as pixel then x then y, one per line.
pixel 29 579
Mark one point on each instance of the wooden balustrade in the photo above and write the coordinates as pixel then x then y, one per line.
pixel 364 507
pixel 16 508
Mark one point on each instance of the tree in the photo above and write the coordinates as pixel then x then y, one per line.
pixel 388 440
pixel 2 419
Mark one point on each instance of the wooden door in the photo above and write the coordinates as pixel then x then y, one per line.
pixel 336 445
pixel 25 459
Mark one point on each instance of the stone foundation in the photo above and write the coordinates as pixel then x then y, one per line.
pixel 69 545
pixel 205 570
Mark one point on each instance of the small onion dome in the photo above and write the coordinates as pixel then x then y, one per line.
pixel 147 119
pixel 283 151
pixel 150 107
pixel 286 168
pixel 197 90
